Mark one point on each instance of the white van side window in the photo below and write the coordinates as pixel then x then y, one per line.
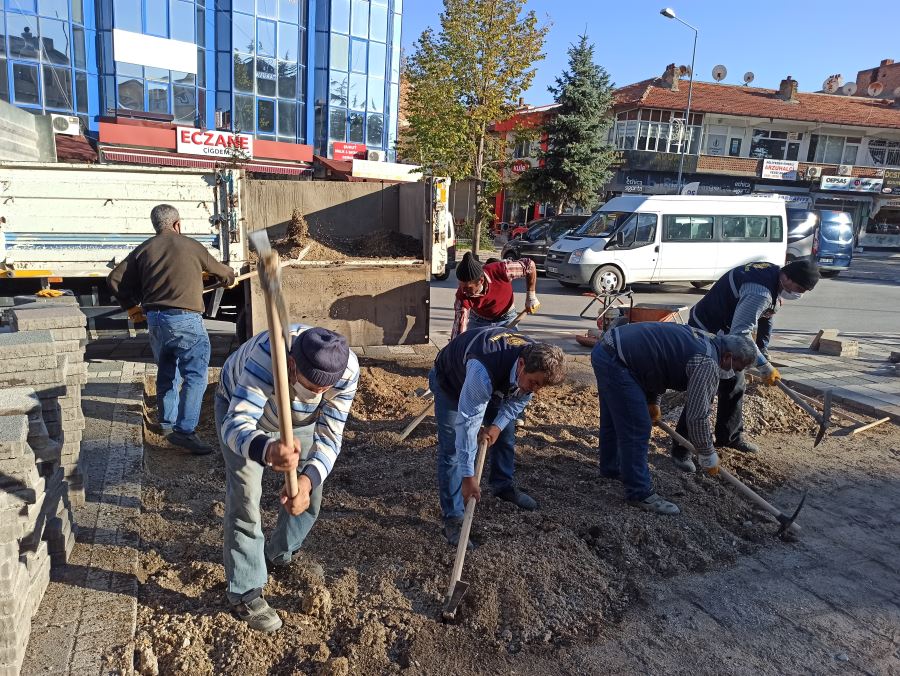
pixel 745 227
pixel 688 228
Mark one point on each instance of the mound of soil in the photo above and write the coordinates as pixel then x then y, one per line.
pixel 378 244
pixel 539 581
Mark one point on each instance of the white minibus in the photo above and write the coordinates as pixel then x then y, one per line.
pixel 668 238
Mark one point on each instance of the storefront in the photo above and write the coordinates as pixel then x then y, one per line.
pixel 628 182
pixel 854 195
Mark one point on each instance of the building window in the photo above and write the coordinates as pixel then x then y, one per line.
pixel 26 83
pixel 375 131
pixel 661 131
pixel 776 145
pixel 883 153
pixel 833 149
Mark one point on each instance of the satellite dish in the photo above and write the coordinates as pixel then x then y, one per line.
pixel 832 83
pixel 875 89
pixel 849 89
pixel 719 73
pixel 684 71
pixel 749 77
pixel 896 92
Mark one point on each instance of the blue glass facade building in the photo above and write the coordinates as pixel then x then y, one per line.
pixel 297 71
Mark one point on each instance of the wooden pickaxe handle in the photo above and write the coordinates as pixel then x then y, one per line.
pixel 254 273
pixel 742 488
pixel 799 401
pixel 415 423
pixel 468 517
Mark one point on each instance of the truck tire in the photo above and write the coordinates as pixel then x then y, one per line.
pixel 607 279
pixel 443 275
pixel 829 273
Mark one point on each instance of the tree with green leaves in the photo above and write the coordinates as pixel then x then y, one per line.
pixel 576 162
pixel 463 78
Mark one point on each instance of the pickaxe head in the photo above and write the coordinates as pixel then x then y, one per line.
pixel 826 417
pixel 786 522
pixel 452 605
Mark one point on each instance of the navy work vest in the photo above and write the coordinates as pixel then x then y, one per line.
pixel 716 310
pixel 497 348
pixel 657 353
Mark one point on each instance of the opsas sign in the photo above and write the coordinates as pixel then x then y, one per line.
pixel 851 184
pixel 213 143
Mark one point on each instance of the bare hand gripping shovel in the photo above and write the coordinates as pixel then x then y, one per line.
pixel 458 588
pixel 786 522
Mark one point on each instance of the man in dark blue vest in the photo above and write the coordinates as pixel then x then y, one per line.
pixel 635 364
pixel 741 302
pixel 482 380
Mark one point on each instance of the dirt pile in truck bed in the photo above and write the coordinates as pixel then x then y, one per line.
pixel 539 581
pixel 378 244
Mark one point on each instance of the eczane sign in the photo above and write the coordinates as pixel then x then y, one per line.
pixel 211 143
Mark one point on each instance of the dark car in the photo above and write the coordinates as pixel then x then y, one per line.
pixel 834 247
pixel 535 241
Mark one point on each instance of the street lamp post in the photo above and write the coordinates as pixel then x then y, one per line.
pixel 669 13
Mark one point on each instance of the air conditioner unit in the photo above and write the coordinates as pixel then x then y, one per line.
pixel 375 156
pixel 66 124
pixel 845 170
pixel 813 172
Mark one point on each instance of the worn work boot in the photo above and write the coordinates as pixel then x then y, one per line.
pixel 451 531
pixel 518 498
pixel 683 462
pixel 191 442
pixel 258 615
pixel 743 444
pixel 654 503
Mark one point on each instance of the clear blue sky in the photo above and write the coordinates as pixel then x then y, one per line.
pixel 807 39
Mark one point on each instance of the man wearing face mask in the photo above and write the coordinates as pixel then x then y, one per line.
pixel 482 380
pixel 323 373
pixel 741 302
pixel 634 365
pixel 485 294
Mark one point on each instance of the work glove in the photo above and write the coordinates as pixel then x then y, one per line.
pixel 771 376
pixel 532 304
pixel 49 293
pixel 709 462
pixel 655 413
pixel 136 314
pixel 229 281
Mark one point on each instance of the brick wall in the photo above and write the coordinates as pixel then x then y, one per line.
pixel 42 371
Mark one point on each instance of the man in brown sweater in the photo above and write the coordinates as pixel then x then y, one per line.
pixel 162 279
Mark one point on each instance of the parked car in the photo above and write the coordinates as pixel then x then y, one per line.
pixel 535 241
pixel 803 226
pixel 834 245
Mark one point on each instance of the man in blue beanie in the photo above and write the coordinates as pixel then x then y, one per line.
pixel 323 374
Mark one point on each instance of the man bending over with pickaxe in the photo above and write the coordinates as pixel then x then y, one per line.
pixel 323 373
pixel 635 364
pixel 482 380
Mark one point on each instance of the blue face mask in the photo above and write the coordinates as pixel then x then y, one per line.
pixel 790 295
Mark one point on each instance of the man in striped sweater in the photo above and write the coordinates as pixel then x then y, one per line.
pixel 323 374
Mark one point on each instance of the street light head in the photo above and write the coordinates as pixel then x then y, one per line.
pixel 668 12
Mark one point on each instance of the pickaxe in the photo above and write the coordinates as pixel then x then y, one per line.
pixel 787 522
pixel 427 394
pixel 823 418
pixel 458 588
pixel 279 340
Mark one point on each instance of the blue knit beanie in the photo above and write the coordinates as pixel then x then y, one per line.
pixel 321 356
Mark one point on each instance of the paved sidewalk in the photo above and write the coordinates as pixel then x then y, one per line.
pixel 869 383
pixel 90 608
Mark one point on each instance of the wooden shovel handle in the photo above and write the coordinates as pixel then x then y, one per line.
pixel 282 388
pixel 467 523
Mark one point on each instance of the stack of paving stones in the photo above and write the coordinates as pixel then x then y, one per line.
pixel 42 371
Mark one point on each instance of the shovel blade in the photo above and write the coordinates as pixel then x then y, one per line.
pixel 452 604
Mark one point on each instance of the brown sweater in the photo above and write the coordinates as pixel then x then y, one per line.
pixel 166 271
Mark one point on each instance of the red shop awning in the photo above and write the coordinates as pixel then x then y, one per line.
pixel 171 160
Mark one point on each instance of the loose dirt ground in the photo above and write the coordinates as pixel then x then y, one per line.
pixel 542 584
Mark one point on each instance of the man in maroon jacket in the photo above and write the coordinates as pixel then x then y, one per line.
pixel 485 294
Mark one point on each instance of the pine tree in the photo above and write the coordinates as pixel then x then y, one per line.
pixel 576 163
pixel 463 78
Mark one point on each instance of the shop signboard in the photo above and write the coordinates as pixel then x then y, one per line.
pixel 891 182
pixel 347 152
pixel 782 170
pixel 213 143
pixel 851 184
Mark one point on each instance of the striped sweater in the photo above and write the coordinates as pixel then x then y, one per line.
pixel 246 381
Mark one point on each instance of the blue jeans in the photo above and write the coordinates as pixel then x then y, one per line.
pixel 245 549
pixel 476 322
pixel 181 351
pixel 449 468
pixel 624 425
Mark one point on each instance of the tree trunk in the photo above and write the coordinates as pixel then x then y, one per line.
pixel 560 206
pixel 479 195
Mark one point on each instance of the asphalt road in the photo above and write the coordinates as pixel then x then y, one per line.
pixel 865 298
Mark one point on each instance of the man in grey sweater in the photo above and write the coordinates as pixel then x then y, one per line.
pixel 162 280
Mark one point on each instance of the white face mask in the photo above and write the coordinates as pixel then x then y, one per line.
pixel 727 374
pixel 790 295
pixel 306 396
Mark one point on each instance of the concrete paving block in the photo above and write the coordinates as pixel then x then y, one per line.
pixel 26 344
pixel 13 435
pixel 19 400
pixel 37 302
pixel 839 347
pixel 10 603
pixel 27 364
pixel 28 319
pixel 35 378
